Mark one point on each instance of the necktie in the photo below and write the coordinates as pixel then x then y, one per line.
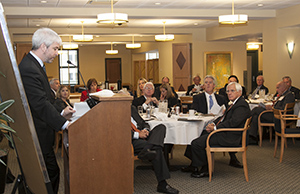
pixel 44 68
pixel 224 115
pixel 133 128
pixel 211 102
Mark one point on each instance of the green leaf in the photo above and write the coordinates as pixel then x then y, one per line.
pixel 2 74
pixel 7 118
pixel 7 128
pixel 8 137
pixel 4 105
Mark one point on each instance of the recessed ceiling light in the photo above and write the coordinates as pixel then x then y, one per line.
pixel 43 1
pixel 195 24
pixel 37 25
pixel 260 5
pixel 157 3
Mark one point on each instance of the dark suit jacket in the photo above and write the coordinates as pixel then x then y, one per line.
pixel 288 97
pixel 222 92
pixel 261 88
pixel 190 89
pixel 139 101
pixel 60 105
pixel 141 124
pixel 200 103
pixel 235 117
pixel 46 118
pixel 295 91
pixel 173 101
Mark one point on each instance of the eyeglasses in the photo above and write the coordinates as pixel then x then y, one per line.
pixel 148 88
pixel 227 91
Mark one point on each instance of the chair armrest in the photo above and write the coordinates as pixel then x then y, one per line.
pixel 221 130
pixel 289 116
pixel 263 112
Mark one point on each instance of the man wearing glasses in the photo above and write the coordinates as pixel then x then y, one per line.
pixel 235 116
pixel 147 98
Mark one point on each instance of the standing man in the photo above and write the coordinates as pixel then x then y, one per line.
pixel 45 45
pixel 235 116
pixel 54 84
pixel 203 102
pixel 196 87
pixel 283 96
pixel 260 86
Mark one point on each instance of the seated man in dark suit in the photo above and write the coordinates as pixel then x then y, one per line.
pixel 283 96
pixel 260 86
pixel 203 102
pixel 232 78
pixel 196 87
pixel 288 81
pixel 164 80
pixel 234 117
pixel 148 145
pixel 147 98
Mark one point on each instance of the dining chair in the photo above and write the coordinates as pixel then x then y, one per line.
pixel 242 148
pixel 57 134
pixel 288 108
pixel 282 130
pixel 186 100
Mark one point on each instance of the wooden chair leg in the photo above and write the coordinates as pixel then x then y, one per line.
pixel 282 148
pixel 62 144
pixel 245 166
pixel 209 161
pixel 270 132
pixel 276 144
pixel 56 142
pixel 260 134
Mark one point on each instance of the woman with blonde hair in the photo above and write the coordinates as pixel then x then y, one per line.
pixel 140 86
pixel 62 98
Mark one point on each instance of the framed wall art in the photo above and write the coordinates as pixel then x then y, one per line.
pixel 219 65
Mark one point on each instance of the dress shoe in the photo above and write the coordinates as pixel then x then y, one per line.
pixel 147 154
pixel 235 163
pixel 199 174
pixel 167 189
pixel 189 169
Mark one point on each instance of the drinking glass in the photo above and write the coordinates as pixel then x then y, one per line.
pixel 140 110
pixel 184 109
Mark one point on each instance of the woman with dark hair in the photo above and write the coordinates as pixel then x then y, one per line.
pixel 92 86
pixel 62 98
pixel 232 78
pixel 167 94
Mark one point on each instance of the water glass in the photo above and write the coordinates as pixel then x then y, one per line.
pixel 140 110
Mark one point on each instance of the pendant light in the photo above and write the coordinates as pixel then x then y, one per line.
pixel 112 18
pixel 111 51
pixel 83 37
pixel 233 18
pixel 164 37
pixel 70 45
pixel 133 45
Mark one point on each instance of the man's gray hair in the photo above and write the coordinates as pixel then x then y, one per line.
pixel 148 83
pixel 46 36
pixel 212 77
pixel 53 80
pixel 238 86
pixel 287 77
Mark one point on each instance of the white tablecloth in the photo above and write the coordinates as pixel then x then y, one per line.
pixel 182 132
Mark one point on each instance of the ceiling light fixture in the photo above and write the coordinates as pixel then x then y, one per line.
pixel 164 37
pixel 133 45
pixel 112 18
pixel 83 37
pixel 233 19
pixel 253 45
pixel 111 51
pixel 70 45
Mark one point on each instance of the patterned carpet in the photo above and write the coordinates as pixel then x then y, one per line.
pixel 266 174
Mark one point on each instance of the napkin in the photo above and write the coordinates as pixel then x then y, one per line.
pixel 161 116
pixel 103 93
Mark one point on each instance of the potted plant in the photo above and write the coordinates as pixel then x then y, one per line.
pixel 4 132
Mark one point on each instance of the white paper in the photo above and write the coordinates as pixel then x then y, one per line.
pixel 103 93
pixel 81 108
pixel 217 110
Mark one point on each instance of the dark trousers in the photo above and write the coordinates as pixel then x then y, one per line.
pixel 156 139
pixel 198 149
pixel 52 169
pixel 265 118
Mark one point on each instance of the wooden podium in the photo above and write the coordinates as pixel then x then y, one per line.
pixel 99 158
